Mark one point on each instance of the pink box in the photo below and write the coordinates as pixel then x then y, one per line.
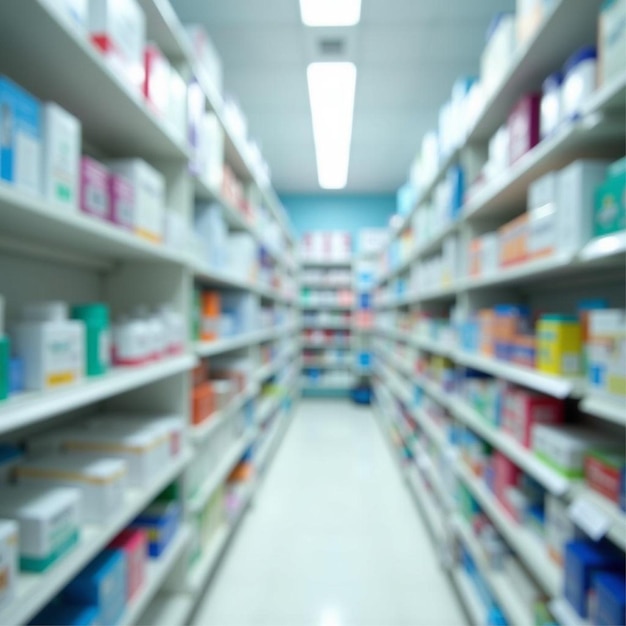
pixel 522 409
pixel 94 194
pixel 157 79
pixel 506 474
pixel 134 543
pixel 122 200
pixel 523 126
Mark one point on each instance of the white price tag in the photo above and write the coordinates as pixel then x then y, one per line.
pixel 589 518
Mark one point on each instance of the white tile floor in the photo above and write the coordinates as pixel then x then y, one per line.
pixel 333 537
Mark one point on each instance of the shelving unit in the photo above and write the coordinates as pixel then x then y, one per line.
pixel 48 254
pixel 419 317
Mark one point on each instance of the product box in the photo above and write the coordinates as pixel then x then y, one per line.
pixel 243 256
pixel 48 519
pixel 583 561
pixel 564 447
pixel 20 145
pixel 559 345
pixel 543 216
pixel 610 598
pixel 53 353
pixel 523 409
pixel 208 59
pixel 530 15
pixel 121 194
pixel 160 521
pixel 211 228
pixel 72 12
pixel 611 40
pixel 211 151
pixel 498 54
pixel 61 157
pixel 577 187
pixel 101 481
pixel 177 105
pixel 203 402
pixel 523 124
pixel 102 584
pixel 513 241
pixel 59 612
pixel 506 475
pixel 94 194
pixel 606 352
pixel 551 106
pixel 609 209
pixel 118 29
pixel 9 542
pixel 134 544
pixel 603 473
pixel 156 86
pixel 559 528
pixel 149 197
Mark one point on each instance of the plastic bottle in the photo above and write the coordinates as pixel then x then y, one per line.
pixel 95 316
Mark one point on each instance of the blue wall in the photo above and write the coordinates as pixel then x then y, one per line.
pixel 338 211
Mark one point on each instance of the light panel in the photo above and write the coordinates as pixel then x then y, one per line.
pixel 330 12
pixel 331 93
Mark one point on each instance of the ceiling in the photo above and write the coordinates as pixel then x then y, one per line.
pixel 407 52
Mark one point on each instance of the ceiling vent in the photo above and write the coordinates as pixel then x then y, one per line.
pixel 332 46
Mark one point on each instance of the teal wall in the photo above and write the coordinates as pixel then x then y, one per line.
pixel 349 212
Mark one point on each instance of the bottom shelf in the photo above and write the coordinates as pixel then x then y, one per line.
pixel 169 609
pixel 469 596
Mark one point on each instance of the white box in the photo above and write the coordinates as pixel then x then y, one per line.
pixel 559 528
pixel 498 54
pixel 118 29
pixel 149 207
pixel 212 229
pixel 490 254
pixel 206 54
pixel 73 12
pixel 611 40
pixel 53 353
pixel 607 352
pixel 61 157
pixel 9 568
pixel 101 481
pixel 243 256
pixel 177 108
pixel 543 213
pixel 211 151
pixel 48 519
pixel 577 185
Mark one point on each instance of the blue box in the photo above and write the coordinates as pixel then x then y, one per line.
pixel 161 521
pixel 102 584
pixel 610 602
pixel 583 561
pixel 20 137
pixel 63 614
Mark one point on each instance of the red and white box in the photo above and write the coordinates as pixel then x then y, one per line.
pixel 133 542
pixel 156 85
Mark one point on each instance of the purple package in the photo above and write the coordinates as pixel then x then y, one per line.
pixel 94 194
pixel 523 125
pixel 195 111
pixel 122 196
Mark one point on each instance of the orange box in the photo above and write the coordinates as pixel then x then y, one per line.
pixel 200 372
pixel 513 238
pixel 211 310
pixel 475 257
pixel 202 403
pixel 487 326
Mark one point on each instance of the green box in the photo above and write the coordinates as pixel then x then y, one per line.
pixel 609 211
pixel 5 360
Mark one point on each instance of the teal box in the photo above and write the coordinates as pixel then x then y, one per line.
pixel 5 367
pixel 102 584
pixel 20 137
pixel 609 211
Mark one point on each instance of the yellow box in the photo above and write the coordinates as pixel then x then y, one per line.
pixel 559 345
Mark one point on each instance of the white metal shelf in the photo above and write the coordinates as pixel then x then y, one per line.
pixel 53 61
pixel 156 572
pixel 469 595
pixel 327 326
pixel 325 263
pixel 565 614
pixel 36 590
pixel 221 472
pixel 325 306
pixel 525 544
pixel 31 407
pixel 610 409
pixel 244 340
pixel 426 501
pixel 266 408
pixel 326 345
pixel 164 28
pixel 168 608
pixel 324 284
pixel 613 519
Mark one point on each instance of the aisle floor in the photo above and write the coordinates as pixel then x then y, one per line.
pixel 333 537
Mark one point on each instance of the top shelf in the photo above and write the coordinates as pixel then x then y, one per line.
pixel 570 25
pixel 54 62
pixel 320 263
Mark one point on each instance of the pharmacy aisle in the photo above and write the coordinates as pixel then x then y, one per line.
pixel 334 538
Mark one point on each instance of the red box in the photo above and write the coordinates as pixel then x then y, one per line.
pixel 157 79
pixel 134 543
pixel 506 474
pixel 603 474
pixel 523 126
pixel 522 409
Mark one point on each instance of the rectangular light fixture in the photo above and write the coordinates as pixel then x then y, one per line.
pixel 330 12
pixel 331 93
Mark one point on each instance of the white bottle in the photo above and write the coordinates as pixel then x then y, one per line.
pixel 51 346
pixel 175 329
pixel 131 342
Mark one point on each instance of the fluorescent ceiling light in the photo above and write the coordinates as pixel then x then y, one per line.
pixel 330 12
pixel 331 93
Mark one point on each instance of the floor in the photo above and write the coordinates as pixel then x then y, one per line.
pixel 333 537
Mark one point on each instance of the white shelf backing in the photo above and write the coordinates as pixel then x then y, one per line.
pixel 32 407
pixel 156 572
pixel 501 587
pixel 220 472
pixel 527 547
pixel 54 62
pixel 571 25
pixel 34 591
